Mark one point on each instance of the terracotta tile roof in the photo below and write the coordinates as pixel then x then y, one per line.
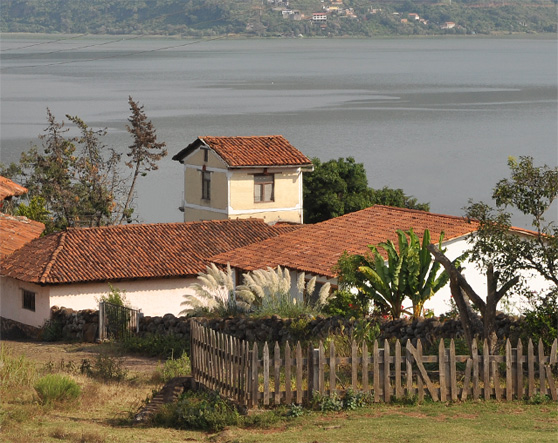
pixel 262 151
pixel 131 251
pixel 10 189
pixel 16 232
pixel 317 248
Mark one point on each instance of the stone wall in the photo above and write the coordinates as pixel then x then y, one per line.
pixel 83 326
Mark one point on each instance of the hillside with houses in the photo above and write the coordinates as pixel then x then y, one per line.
pixel 281 18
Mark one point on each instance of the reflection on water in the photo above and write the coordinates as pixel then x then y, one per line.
pixel 436 117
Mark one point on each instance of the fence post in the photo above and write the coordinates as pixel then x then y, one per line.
pixel 314 369
pixel 102 332
pixel 442 369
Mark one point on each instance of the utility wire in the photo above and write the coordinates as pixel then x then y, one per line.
pixel 43 43
pixel 77 47
pixel 111 56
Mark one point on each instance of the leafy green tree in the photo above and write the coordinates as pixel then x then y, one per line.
pixel 335 188
pixel 144 153
pixel 35 210
pixel 531 190
pixel 49 174
pixel 502 253
pixel 76 181
pixel 70 182
pixel 339 187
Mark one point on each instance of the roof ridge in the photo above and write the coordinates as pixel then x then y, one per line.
pixel 420 211
pixel 52 261
pixel 239 136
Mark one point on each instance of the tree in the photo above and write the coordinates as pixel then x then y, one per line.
pixel 335 188
pixel 145 152
pixel 408 272
pixel 76 181
pixel 339 187
pixel 502 253
pixel 531 190
pixel 70 182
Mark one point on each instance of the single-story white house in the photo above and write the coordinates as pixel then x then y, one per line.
pixel 155 264
pixel 316 249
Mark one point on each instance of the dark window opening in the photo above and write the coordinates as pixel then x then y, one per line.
pixel 206 185
pixel 28 300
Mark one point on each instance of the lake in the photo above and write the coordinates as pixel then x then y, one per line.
pixel 437 117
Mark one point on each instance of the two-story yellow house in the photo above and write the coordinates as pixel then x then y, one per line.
pixel 241 177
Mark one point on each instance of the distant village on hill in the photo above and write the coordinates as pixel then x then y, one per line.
pixel 281 18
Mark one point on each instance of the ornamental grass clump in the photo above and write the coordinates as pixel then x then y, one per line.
pixel 214 293
pixel 56 388
pixel 268 292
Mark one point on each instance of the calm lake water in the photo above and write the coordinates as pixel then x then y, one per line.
pixel 436 117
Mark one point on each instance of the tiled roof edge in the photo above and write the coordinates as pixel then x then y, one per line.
pixel 62 240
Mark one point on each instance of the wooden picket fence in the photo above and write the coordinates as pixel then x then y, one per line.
pixel 238 371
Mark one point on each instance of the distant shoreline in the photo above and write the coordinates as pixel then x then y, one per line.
pixel 500 35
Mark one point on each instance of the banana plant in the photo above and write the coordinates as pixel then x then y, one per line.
pixel 408 272
pixel 385 282
pixel 423 276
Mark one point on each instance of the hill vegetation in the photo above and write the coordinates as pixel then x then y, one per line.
pixel 268 18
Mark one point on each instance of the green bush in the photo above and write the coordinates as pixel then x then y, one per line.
pixel 108 368
pixel 55 388
pixel 205 411
pixel 52 331
pixel 156 345
pixel 541 321
pixel 343 303
pixel 175 368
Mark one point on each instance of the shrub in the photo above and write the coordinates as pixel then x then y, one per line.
pixel 108 368
pixel 205 411
pixel 54 388
pixel 343 303
pixel 156 345
pixel 175 368
pixel 540 322
pixel 52 331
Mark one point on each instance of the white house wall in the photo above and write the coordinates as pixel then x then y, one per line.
pixel 153 297
pixel 11 302
pixel 440 302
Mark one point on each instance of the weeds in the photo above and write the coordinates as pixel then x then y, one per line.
pixel 15 371
pixel 350 401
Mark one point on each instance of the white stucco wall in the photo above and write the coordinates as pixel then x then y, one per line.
pixel 440 302
pixel 154 297
pixel 11 302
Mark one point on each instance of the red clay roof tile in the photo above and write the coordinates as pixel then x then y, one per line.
pixel 317 248
pixel 10 189
pixel 131 251
pixel 15 232
pixel 255 151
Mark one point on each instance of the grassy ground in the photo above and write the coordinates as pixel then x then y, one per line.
pixel 103 412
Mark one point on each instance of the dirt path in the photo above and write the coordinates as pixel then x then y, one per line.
pixel 45 352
